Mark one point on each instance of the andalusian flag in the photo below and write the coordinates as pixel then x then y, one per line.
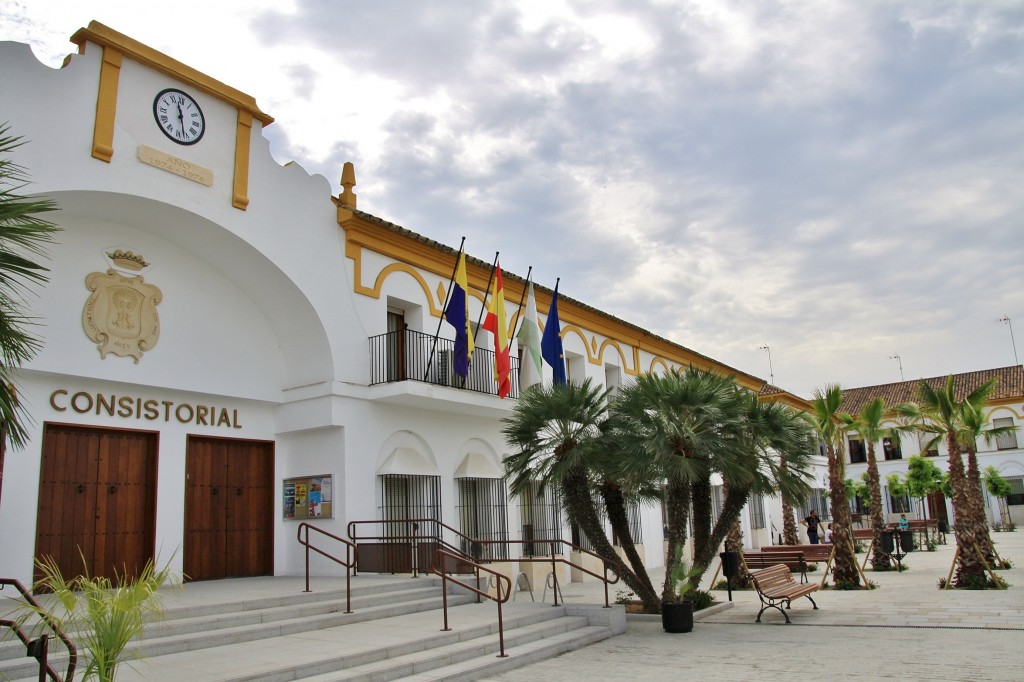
pixel 531 372
pixel 496 324
pixel 457 314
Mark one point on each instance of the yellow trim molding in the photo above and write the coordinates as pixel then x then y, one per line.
pixel 115 47
pixel 413 253
pixel 240 185
pixel 106 105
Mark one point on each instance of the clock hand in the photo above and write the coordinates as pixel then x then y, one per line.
pixel 181 118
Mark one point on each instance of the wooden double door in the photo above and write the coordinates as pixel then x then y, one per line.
pixel 97 500
pixel 229 500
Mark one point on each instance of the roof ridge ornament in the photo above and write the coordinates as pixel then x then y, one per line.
pixel 348 181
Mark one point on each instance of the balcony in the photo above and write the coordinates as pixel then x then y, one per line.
pixel 409 355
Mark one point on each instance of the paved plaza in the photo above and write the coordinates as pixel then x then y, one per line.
pixel 907 629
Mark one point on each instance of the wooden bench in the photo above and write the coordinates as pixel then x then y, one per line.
pixel 793 561
pixel 863 534
pixel 775 586
pixel 813 554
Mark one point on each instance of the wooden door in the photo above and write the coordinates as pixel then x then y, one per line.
pixel 97 500
pixel 228 508
pixel 937 506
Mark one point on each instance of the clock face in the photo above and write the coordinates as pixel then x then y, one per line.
pixel 179 116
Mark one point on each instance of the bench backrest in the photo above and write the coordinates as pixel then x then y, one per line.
pixel 811 553
pixel 772 577
pixel 788 560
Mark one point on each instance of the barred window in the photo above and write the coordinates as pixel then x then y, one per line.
pixel 483 516
pixel 633 518
pixel 540 513
pixel 755 506
pixel 1006 441
pixel 817 500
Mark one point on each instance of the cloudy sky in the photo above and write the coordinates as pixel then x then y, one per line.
pixel 842 182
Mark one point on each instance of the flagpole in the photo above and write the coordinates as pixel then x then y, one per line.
pixel 487 290
pixel 523 298
pixel 440 320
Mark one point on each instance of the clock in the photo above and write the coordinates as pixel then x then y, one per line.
pixel 179 116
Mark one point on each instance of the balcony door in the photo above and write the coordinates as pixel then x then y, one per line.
pixel 395 350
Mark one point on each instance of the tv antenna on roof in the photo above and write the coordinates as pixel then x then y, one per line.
pixel 771 372
pixel 898 359
pixel 1006 319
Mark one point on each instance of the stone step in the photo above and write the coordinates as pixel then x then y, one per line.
pixel 474 656
pixel 387 649
pixel 229 623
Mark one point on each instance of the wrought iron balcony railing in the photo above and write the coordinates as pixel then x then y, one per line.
pixel 409 355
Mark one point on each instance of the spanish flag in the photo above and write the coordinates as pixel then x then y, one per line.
pixel 497 325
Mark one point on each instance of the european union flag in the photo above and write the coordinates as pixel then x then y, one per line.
pixel 551 342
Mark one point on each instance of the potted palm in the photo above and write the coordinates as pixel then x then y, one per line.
pixel 104 615
pixel 677 610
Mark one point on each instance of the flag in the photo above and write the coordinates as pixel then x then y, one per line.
pixel 496 324
pixel 551 342
pixel 457 315
pixel 529 340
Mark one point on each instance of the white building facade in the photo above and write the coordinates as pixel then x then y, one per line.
pixel 1004 453
pixel 230 350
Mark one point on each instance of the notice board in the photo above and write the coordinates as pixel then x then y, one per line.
pixel 309 497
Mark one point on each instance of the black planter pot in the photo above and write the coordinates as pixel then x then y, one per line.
pixel 677 617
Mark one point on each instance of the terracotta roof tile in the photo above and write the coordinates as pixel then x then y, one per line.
pixel 1010 386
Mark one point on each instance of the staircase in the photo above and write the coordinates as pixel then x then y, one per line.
pixel 268 629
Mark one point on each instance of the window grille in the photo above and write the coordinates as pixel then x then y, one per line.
pixel 540 513
pixel 755 507
pixel 1006 441
pixel 483 515
pixel 405 497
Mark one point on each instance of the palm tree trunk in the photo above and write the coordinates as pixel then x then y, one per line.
pixel 677 507
pixel 615 505
pixel 790 535
pixel 583 513
pixel 700 500
pixel 974 488
pixel 845 566
pixel 735 500
pixel 969 569
pixel 878 557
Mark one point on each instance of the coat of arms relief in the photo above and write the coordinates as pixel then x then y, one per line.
pixel 120 316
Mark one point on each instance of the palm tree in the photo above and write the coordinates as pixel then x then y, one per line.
pixel 23 237
pixel 556 432
pixel 940 413
pixel 974 422
pixel 674 426
pixel 768 434
pixel 827 403
pixel 868 425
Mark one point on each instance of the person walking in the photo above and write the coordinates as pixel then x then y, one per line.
pixel 812 522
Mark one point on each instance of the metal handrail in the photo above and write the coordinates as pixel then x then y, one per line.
pixel 52 624
pixel 552 559
pixel 351 556
pixel 499 599
pixel 352 534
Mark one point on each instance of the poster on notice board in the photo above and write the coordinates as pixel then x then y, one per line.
pixel 308 497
